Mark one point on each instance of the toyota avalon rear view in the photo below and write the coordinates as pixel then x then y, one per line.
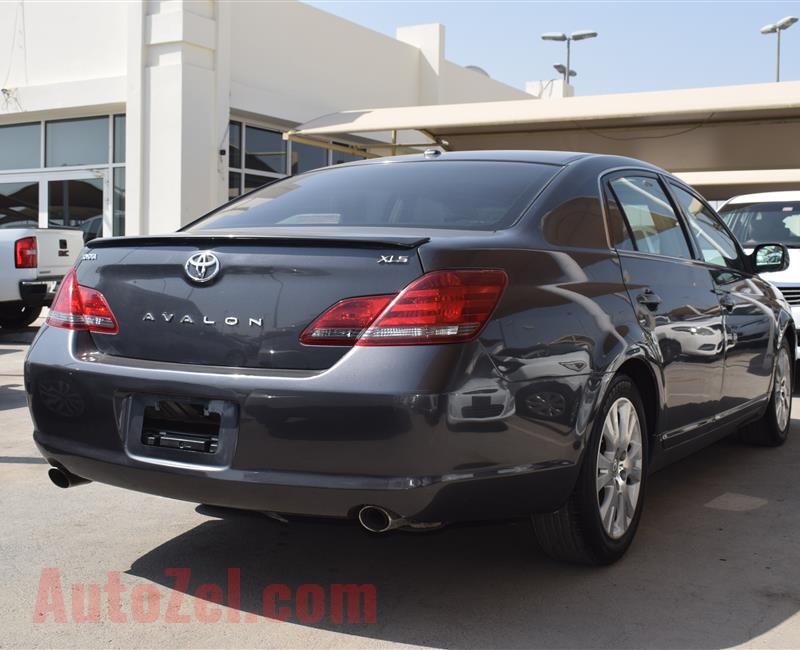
pixel 414 341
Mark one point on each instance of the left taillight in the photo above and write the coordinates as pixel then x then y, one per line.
pixel 26 253
pixel 81 308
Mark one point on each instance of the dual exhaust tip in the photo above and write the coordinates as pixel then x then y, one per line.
pixel 64 479
pixel 378 520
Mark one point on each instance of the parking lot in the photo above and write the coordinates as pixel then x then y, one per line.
pixel 716 564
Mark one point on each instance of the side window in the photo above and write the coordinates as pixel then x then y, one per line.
pixel 651 219
pixel 618 230
pixel 714 242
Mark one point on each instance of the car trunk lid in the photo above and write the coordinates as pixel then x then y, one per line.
pixel 251 313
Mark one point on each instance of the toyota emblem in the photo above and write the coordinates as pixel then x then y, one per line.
pixel 202 266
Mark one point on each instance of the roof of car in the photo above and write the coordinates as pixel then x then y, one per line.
pixel 765 197
pixel 512 155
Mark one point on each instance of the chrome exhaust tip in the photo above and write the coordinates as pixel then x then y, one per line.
pixel 64 479
pixel 377 520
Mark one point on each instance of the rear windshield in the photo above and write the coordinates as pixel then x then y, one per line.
pixel 464 195
pixel 764 223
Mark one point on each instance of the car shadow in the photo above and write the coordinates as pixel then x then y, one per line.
pixel 12 396
pixel 697 576
pixel 20 336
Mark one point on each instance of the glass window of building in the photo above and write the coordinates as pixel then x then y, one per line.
pixel 339 157
pixel 306 157
pixel 82 141
pixel 234 184
pixel 76 204
pixel 119 138
pixel 265 151
pixel 19 146
pixel 235 145
pixel 19 205
pixel 118 203
pixel 252 181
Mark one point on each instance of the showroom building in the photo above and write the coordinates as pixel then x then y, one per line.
pixel 134 118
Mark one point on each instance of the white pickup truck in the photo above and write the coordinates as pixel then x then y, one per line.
pixel 32 262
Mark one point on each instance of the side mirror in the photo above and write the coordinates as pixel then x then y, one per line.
pixel 770 258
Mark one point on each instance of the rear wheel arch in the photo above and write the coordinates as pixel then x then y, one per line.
pixel 643 378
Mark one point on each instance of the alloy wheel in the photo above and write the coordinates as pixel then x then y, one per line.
pixel 783 389
pixel 619 467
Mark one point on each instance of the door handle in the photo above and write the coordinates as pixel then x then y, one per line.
pixel 649 298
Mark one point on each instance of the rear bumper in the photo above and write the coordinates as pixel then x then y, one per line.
pixel 39 292
pixel 317 443
pixel 425 499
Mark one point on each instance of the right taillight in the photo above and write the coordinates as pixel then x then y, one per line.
pixel 26 253
pixel 439 307
pixel 81 308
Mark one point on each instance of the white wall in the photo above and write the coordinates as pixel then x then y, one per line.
pixel 459 85
pixel 178 68
pixel 296 62
pixel 61 41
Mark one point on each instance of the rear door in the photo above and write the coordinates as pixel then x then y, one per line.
pixel 750 328
pixel 675 300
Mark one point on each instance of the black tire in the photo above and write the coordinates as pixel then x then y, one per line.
pixel 18 315
pixel 767 431
pixel 575 533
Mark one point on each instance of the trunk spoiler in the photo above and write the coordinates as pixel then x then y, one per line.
pixel 288 239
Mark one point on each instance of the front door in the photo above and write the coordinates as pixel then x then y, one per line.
pixel 749 323
pixel 74 199
pixel 676 303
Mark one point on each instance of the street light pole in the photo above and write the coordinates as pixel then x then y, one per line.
pixel 777 28
pixel 562 37
pixel 569 69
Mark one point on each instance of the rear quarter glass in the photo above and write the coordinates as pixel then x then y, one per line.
pixel 459 195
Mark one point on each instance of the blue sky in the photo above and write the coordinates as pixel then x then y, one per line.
pixel 644 45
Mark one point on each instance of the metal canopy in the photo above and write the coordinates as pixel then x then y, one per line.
pixel 736 130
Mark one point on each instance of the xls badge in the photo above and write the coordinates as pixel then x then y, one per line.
pixel 393 259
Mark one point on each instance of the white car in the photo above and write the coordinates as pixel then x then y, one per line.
pixel 32 263
pixel 770 217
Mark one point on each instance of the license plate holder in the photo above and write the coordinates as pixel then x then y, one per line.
pixel 189 431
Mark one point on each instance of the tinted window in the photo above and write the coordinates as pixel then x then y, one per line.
pixel 443 194
pixel 76 142
pixel 716 246
pixel 652 221
pixel 617 230
pixel 235 144
pixel 264 150
pixel 19 146
pixel 119 138
pixel 19 205
pixel 306 157
pixel 339 157
pixel 764 223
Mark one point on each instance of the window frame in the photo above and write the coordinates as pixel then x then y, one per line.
pixel 608 191
pixel 744 267
pixel 245 171
pixel 46 174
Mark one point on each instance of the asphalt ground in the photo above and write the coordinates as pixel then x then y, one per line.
pixel 716 564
